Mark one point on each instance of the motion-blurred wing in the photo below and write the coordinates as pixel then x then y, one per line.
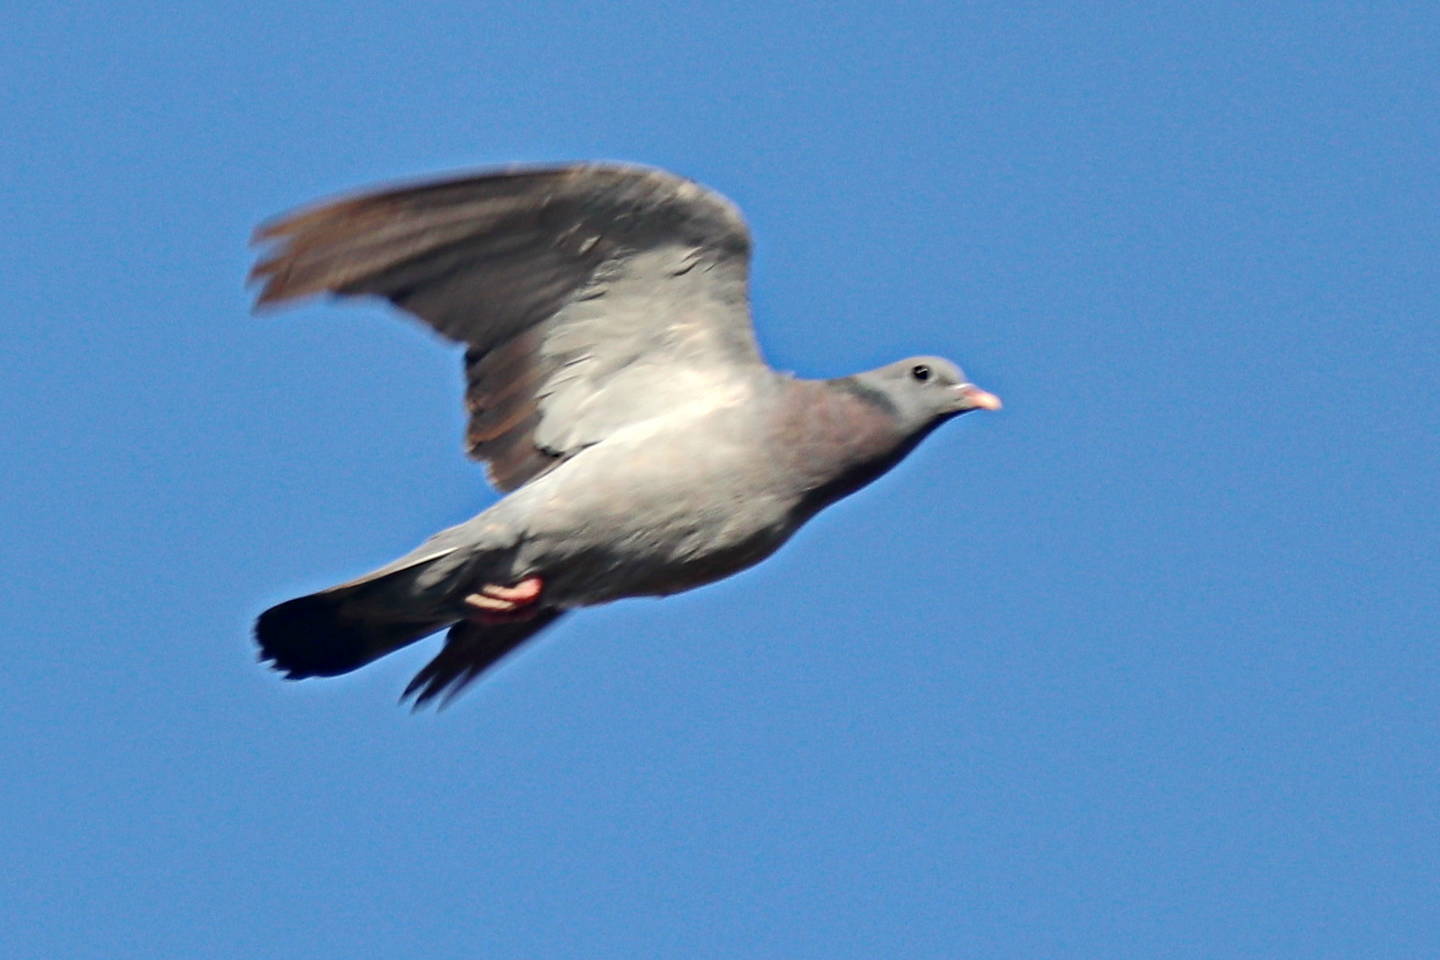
pixel 591 297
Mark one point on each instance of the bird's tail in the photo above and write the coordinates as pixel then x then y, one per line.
pixel 347 626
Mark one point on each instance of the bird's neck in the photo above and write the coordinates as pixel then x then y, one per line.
pixel 836 438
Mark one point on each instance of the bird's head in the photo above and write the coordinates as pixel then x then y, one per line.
pixel 926 390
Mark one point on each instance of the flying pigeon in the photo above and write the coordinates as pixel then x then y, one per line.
pixel 615 393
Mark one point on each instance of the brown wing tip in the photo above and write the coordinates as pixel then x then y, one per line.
pixel 277 286
pixel 272 270
pixel 288 239
pixel 289 225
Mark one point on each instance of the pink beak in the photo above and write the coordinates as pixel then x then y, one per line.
pixel 981 399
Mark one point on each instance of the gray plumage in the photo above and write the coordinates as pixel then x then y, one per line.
pixel 615 392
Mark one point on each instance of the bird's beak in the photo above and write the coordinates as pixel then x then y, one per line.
pixel 972 397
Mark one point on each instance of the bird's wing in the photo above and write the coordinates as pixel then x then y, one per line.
pixel 591 297
pixel 471 649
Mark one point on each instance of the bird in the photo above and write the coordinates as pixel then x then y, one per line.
pixel 615 393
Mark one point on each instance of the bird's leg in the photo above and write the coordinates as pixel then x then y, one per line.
pixel 496 603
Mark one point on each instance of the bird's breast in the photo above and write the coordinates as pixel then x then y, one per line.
pixel 647 515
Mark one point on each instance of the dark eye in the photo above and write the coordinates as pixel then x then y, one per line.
pixel 920 372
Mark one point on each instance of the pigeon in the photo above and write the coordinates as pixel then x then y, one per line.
pixel 615 393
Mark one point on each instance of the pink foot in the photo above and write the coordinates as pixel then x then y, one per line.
pixel 500 604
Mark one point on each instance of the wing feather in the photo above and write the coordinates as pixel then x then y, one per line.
pixel 590 296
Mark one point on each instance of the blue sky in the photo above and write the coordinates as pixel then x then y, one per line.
pixel 1143 666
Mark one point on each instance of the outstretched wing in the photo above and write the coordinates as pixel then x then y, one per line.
pixel 591 296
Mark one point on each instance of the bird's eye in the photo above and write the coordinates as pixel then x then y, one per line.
pixel 920 372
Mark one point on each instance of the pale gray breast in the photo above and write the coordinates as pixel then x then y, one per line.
pixel 661 506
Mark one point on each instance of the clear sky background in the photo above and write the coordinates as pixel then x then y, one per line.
pixel 1144 666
